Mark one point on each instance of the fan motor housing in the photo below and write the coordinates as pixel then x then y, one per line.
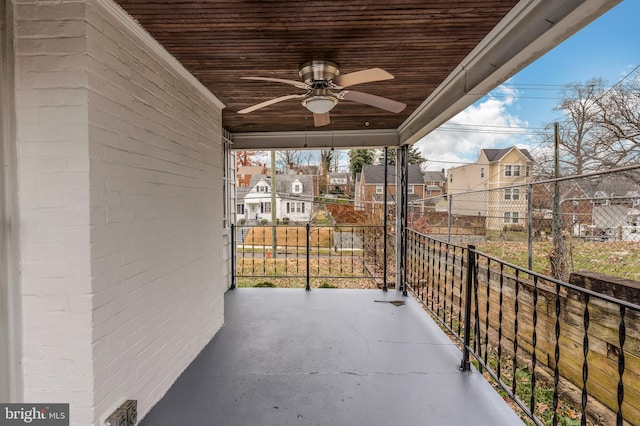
pixel 318 73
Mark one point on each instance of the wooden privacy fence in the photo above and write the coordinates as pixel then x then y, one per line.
pixel 514 318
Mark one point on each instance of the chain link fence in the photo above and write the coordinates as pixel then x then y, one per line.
pixel 595 224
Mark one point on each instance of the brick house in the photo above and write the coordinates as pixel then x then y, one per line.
pixel 369 188
pixel 435 183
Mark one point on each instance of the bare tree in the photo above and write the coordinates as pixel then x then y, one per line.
pixel 620 120
pixel 580 134
pixel 291 157
pixel 600 130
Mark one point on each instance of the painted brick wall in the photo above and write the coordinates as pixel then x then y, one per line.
pixel 53 198
pixel 156 208
pixel 120 207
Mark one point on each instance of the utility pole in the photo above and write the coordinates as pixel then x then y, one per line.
pixel 556 228
pixel 558 255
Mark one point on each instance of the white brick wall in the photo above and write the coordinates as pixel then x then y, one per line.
pixel 120 209
pixel 54 214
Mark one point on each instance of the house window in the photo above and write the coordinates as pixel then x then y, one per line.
pixel 507 170
pixel 481 172
pixel 240 208
pixel 512 194
pixel 511 217
pixel 295 207
pixel 297 188
pixel 433 183
pixel 379 189
pixel 451 178
pixel 527 171
pixel 410 189
pixel 516 170
pixel 266 207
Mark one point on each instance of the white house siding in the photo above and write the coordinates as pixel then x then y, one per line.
pixel 120 209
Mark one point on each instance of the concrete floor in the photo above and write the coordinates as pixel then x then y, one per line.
pixel 328 357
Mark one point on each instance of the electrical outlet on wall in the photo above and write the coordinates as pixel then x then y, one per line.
pixel 131 407
pixel 125 415
pixel 117 418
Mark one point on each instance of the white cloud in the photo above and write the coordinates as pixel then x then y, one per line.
pixel 486 124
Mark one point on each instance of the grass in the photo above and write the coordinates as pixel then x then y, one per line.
pixel 288 273
pixel 568 415
pixel 615 258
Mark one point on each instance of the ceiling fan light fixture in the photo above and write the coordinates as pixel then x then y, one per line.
pixel 320 104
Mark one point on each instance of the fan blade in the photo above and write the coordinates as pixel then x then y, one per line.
pixel 364 76
pixel 320 120
pixel 373 100
pixel 269 102
pixel 298 84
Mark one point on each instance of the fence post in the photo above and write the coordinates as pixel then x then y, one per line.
pixel 465 365
pixel 449 208
pixel 308 286
pixel 233 257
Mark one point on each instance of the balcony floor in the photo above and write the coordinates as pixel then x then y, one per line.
pixel 328 357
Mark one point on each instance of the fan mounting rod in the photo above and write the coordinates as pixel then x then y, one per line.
pixel 318 74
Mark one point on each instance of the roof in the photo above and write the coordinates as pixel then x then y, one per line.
pixel 251 170
pixel 497 154
pixel 435 176
pixel 284 185
pixel 618 185
pixel 374 175
pixel 340 175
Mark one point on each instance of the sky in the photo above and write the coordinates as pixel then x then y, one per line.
pixel 516 112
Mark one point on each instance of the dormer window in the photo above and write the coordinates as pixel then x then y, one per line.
pixel 296 187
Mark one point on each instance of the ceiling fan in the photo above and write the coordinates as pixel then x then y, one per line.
pixel 324 89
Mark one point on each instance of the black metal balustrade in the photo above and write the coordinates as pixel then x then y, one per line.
pixel 309 254
pixel 530 333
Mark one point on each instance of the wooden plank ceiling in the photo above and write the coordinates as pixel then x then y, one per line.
pixel 419 42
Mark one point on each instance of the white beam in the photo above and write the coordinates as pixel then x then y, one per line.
pixel 316 140
pixel 529 30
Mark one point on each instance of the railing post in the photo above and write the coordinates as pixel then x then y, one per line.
pixel 233 257
pixel 308 286
pixel 384 221
pixel 529 227
pixel 465 365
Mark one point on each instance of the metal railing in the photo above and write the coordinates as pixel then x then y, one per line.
pixel 532 334
pixel 309 255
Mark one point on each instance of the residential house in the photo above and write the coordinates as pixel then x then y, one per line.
pixel 340 183
pixel 435 183
pixel 294 198
pixel 503 174
pixel 244 174
pixel 606 206
pixel 370 188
